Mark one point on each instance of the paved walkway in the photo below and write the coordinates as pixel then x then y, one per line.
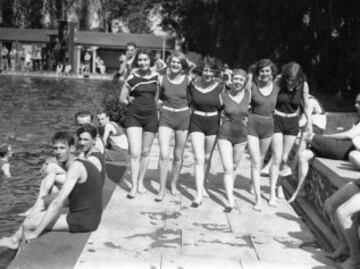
pixel 142 233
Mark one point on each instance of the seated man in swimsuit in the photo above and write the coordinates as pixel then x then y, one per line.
pixel 54 172
pixel 5 154
pixel 82 186
pixel 113 137
pixel 339 146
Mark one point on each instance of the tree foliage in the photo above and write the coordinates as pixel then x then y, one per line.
pixel 238 32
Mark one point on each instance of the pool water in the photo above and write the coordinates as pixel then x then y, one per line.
pixel 31 111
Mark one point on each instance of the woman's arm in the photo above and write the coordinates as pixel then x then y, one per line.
pixel 307 106
pixel 124 94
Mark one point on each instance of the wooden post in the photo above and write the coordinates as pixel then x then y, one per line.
pixel 93 59
pixel 71 47
pixel 78 60
pixel 164 48
pixel 17 63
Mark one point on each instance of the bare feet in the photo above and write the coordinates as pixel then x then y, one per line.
pixel 258 206
pixel 293 197
pixel 272 202
pixel 160 197
pixel 173 190
pixel 131 194
pixel 351 264
pixel 9 242
pixel 141 189
pixel 25 214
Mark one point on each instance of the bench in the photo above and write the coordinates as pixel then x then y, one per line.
pixel 62 249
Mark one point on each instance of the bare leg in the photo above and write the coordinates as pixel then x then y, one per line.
pixel 134 135
pixel 147 139
pixel 331 205
pixel 277 150
pixel 164 141
pixel 180 142
pixel 288 142
pixel 209 150
pixel 303 168
pixel 226 154
pixel 198 145
pixel 344 215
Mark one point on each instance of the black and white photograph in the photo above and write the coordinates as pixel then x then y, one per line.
pixel 180 134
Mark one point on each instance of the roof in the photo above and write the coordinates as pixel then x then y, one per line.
pixel 88 38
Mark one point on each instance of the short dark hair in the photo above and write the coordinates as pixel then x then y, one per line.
pixel 84 113
pixel 265 62
pixel 102 111
pixel 144 51
pixel 63 136
pixel 131 43
pixel 87 128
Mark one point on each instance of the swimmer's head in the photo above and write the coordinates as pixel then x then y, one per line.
pixel 5 149
pixel 65 137
pixel 83 117
pixel 86 137
pixel 63 145
pixel 103 117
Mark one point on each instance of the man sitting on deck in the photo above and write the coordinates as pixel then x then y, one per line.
pixel 340 146
pixel 54 172
pixel 114 138
pixel 82 188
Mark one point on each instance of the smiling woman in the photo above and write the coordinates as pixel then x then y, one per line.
pixel 140 92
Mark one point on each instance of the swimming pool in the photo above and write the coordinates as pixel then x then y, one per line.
pixel 31 110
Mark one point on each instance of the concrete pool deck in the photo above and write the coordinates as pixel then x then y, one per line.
pixel 142 233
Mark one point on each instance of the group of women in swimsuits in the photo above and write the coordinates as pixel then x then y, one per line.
pixel 254 109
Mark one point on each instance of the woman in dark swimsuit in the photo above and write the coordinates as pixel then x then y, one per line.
pixel 232 138
pixel 204 125
pixel 140 92
pixel 292 97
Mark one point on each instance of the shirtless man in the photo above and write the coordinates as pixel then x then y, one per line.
pixel 82 186
pixel 114 138
pixel 54 172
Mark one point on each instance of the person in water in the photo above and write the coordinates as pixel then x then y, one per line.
pixel 5 154
pixel 81 187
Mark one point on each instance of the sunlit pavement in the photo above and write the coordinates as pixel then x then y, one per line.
pixel 142 233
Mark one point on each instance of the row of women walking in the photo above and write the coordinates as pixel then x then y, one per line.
pixel 256 108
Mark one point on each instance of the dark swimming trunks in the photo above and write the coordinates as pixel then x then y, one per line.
pixel 85 202
pixel 331 148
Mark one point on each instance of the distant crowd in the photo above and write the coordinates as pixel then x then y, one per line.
pixel 259 109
